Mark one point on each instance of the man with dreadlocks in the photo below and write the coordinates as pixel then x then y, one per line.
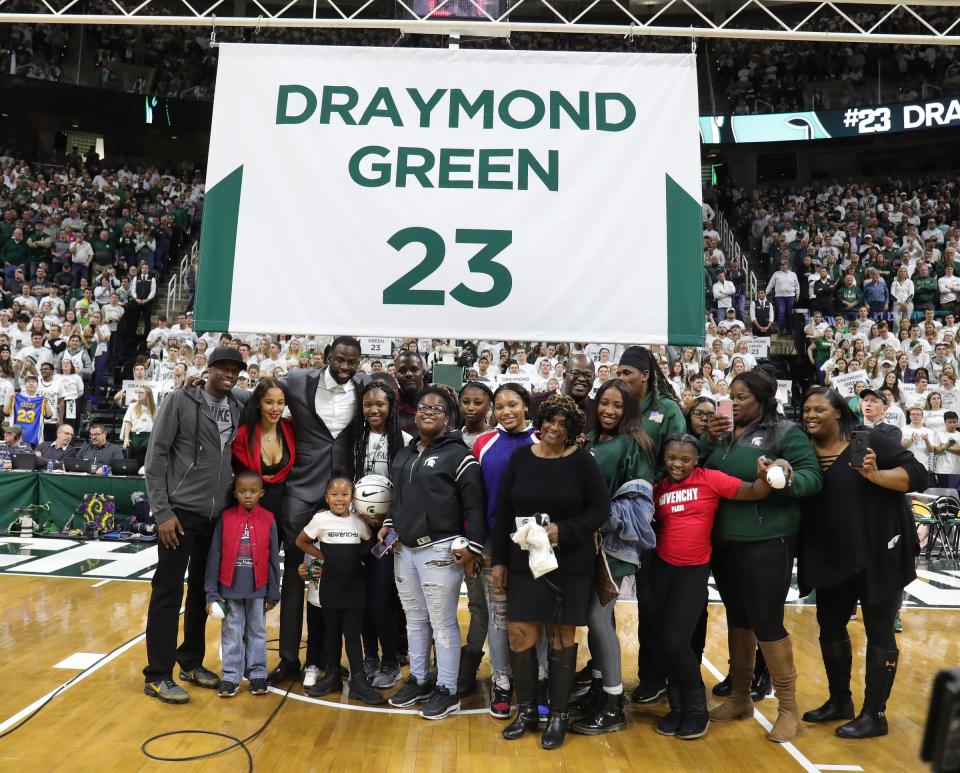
pixel 661 417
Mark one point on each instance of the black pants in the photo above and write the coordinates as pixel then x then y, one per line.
pixel 134 313
pixel 679 595
pixel 699 638
pixel 380 608
pixel 836 605
pixel 50 431
pixel 753 579
pixel 294 515
pixel 650 660
pixel 166 595
pixel 344 624
pixel 316 638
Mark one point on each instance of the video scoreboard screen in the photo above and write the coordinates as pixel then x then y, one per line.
pixel 459 9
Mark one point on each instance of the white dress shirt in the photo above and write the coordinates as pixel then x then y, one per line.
pixel 335 403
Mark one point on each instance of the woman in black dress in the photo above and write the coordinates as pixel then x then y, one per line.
pixel 857 543
pixel 556 478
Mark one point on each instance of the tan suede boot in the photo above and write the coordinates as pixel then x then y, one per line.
pixel 743 647
pixel 783 674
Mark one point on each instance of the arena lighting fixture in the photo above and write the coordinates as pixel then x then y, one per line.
pixel 562 17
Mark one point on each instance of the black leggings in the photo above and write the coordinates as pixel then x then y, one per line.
pixel 679 593
pixel 380 608
pixel 836 605
pixel 344 624
pixel 316 637
pixel 753 579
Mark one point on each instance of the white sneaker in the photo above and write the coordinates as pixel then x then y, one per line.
pixel 310 676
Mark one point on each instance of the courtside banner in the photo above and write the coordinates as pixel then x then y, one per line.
pixel 455 194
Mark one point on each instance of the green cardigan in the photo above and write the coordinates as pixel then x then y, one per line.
pixel 620 459
pixel 779 514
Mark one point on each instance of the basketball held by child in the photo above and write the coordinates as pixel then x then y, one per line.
pixel 373 495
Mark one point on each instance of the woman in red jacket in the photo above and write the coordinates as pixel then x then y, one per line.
pixel 264 441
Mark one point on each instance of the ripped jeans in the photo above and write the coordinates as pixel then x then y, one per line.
pixel 497 640
pixel 428 582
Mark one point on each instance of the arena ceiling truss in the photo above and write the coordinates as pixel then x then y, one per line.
pixel 920 22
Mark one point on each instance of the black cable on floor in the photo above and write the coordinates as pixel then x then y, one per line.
pixel 238 743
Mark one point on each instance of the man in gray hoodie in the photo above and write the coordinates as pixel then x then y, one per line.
pixel 188 475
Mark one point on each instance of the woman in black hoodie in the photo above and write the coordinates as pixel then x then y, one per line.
pixel 438 514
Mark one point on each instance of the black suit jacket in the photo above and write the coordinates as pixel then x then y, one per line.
pixel 48 450
pixel 893 432
pixel 318 452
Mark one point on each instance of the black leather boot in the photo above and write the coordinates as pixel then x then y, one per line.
pixel 837 661
pixel 696 720
pixel 669 723
pixel 760 687
pixel 723 688
pixel 590 701
pixel 563 664
pixel 525 672
pixel 467 676
pixel 607 718
pixel 872 721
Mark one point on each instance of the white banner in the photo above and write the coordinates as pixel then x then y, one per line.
pixel 375 347
pixel 454 193
pixel 784 391
pixel 845 382
pixel 130 388
pixel 517 378
pixel 757 346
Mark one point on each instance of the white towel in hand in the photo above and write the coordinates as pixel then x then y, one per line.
pixel 532 537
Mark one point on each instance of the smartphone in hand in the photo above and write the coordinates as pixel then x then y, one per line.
pixel 382 548
pixel 859 444
pixel 725 409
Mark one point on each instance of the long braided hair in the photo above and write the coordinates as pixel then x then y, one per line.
pixel 362 434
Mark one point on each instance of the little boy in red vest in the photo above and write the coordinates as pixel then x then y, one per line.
pixel 243 579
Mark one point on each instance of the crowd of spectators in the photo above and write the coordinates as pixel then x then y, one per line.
pixel 746 76
pixel 775 77
pixel 84 249
pixel 874 267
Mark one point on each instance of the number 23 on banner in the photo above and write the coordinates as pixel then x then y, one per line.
pixel 404 290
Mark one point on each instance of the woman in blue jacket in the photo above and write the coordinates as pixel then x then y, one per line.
pixel 493 450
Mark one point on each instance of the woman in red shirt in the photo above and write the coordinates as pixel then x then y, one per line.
pixel 686 502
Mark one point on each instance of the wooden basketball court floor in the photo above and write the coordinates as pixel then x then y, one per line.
pixel 59 615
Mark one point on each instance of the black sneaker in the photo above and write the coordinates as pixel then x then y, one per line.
pixel 412 692
pixel 440 704
pixel 201 677
pixel 227 689
pixel 647 693
pixel 166 690
pixel 258 686
pixel 371 665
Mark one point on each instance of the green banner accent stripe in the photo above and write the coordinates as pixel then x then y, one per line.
pixel 685 299
pixel 218 244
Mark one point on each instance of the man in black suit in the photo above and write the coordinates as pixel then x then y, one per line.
pixel 323 405
pixel 872 406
